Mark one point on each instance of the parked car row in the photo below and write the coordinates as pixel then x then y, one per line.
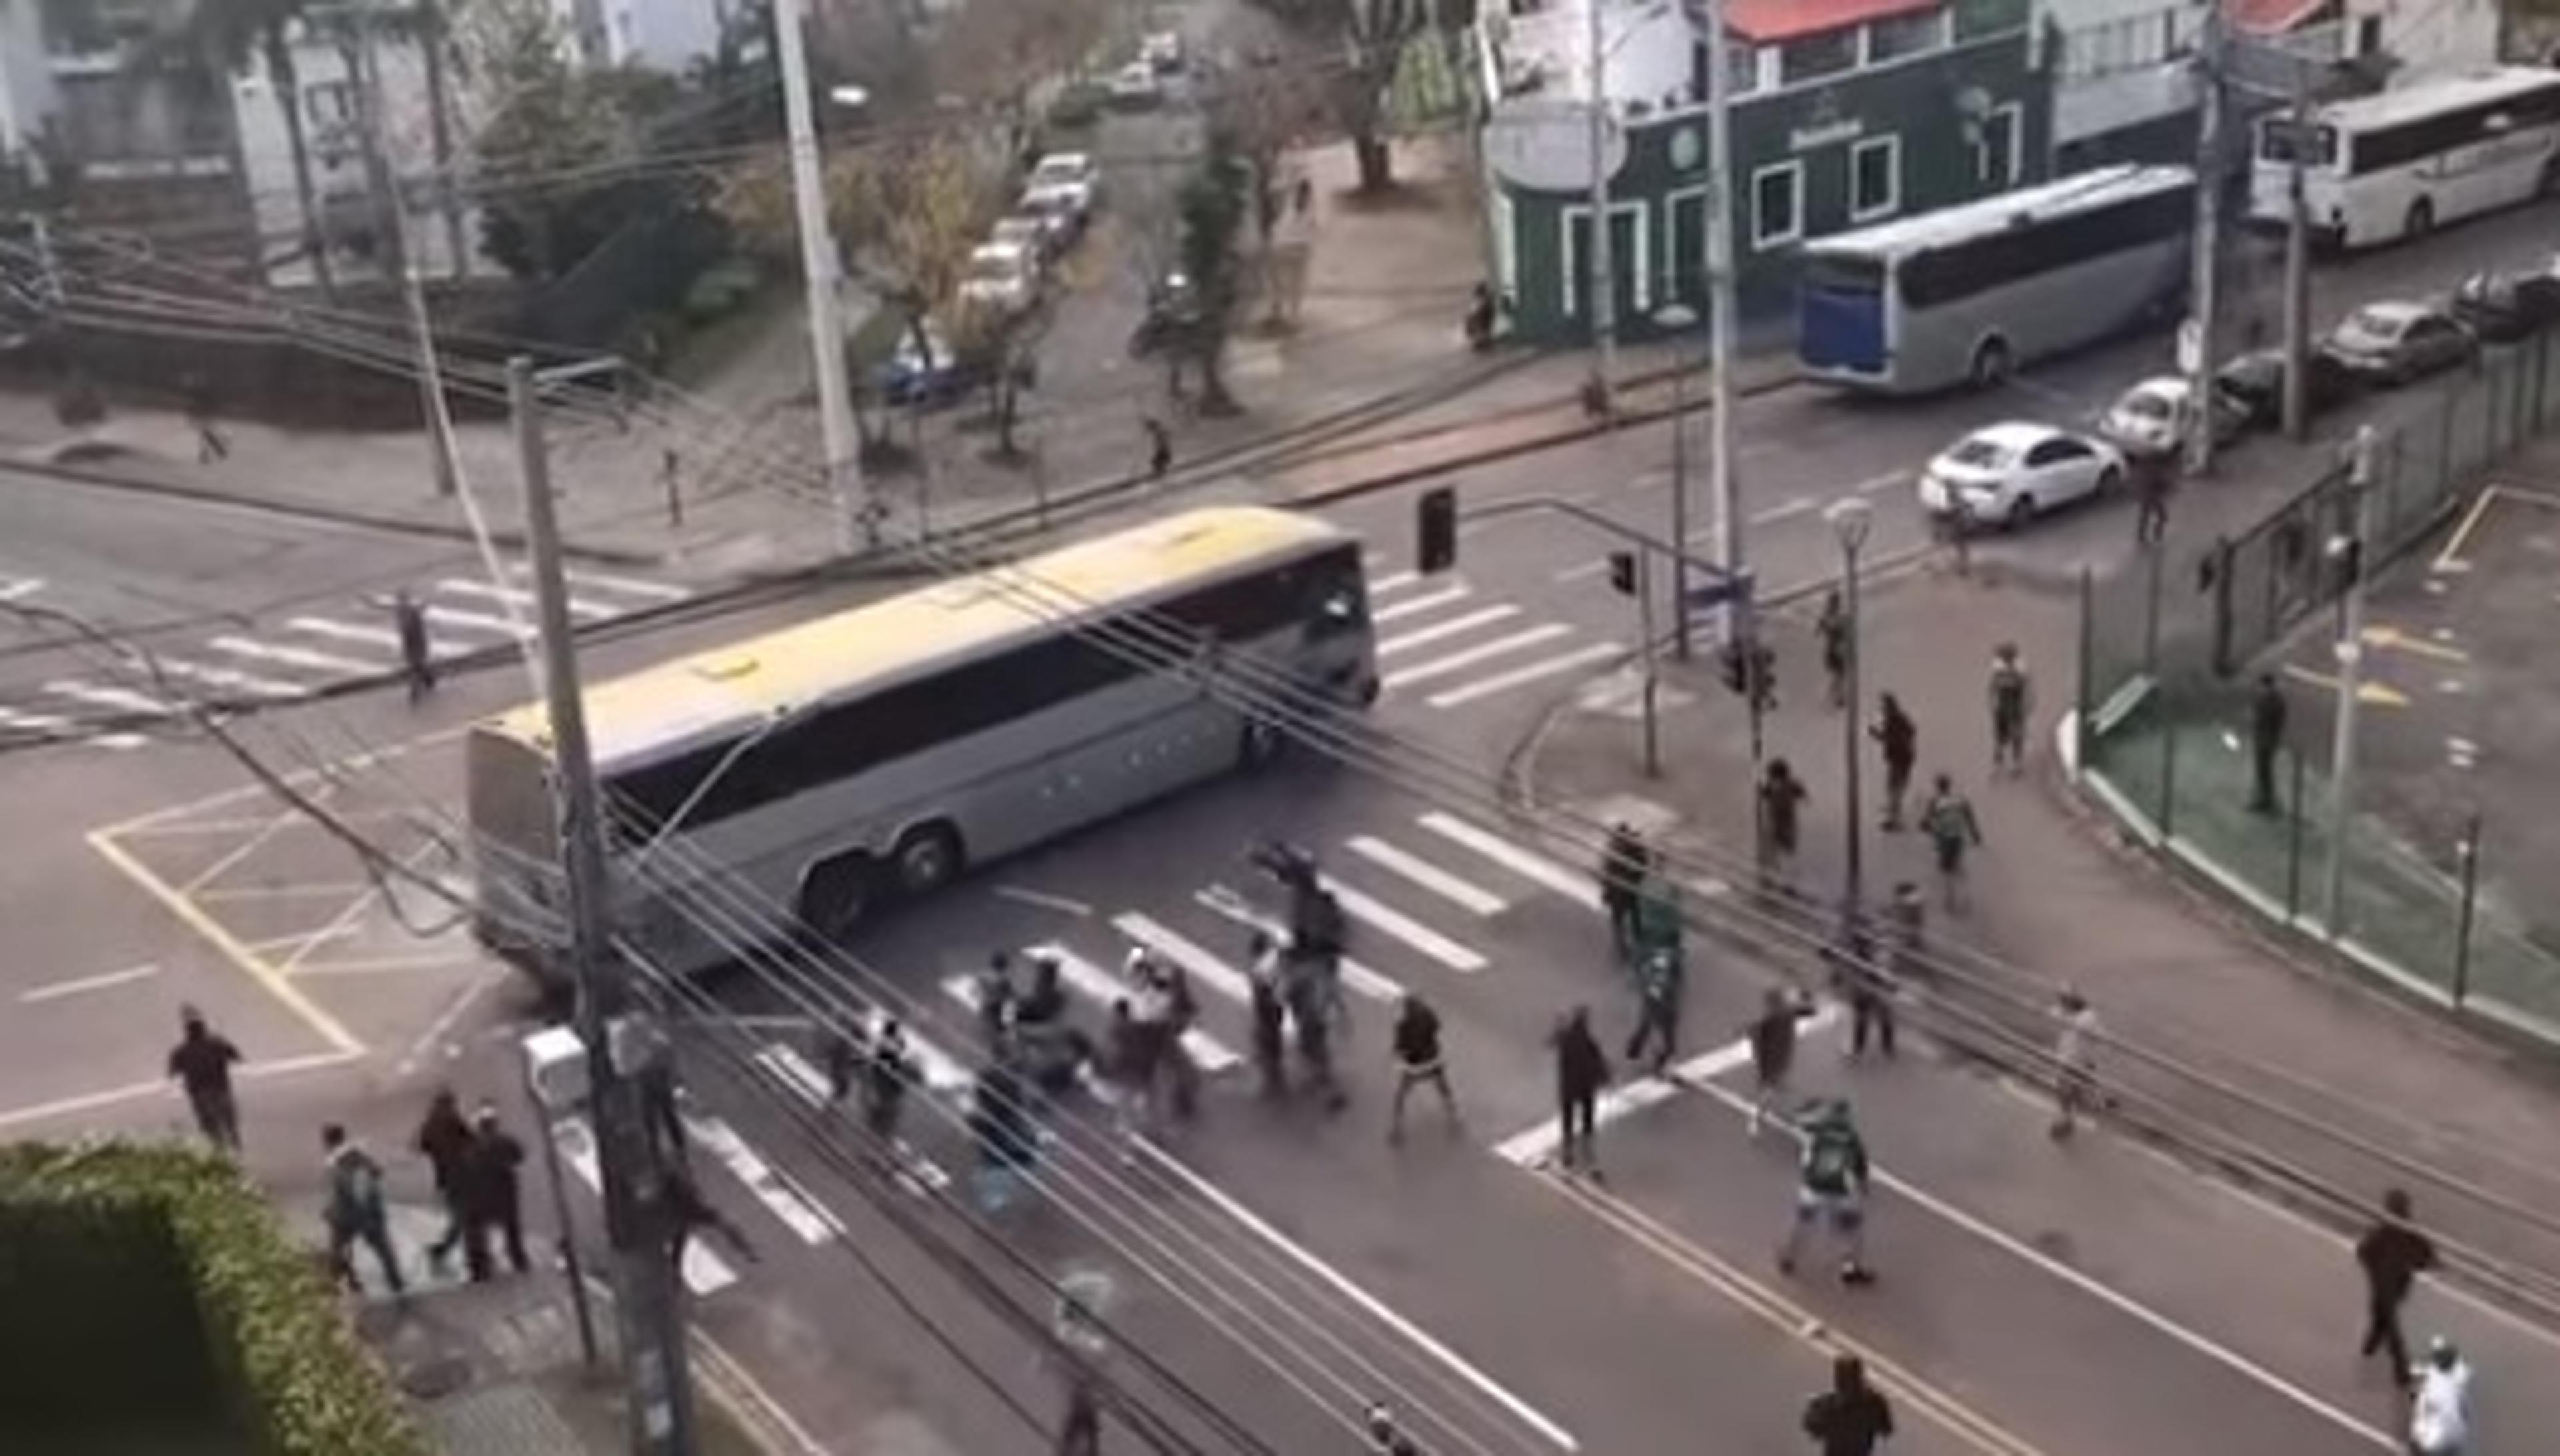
pixel 1008 272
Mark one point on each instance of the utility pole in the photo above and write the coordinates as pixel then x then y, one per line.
pixel 820 265
pixel 2298 267
pixel 649 1322
pixel 1604 295
pixel 2351 678
pixel 2208 240
pixel 391 223
pixel 1720 306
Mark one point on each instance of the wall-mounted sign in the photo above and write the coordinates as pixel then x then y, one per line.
pixel 1543 144
pixel 1826 134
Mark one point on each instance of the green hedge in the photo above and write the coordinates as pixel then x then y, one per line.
pixel 137 1281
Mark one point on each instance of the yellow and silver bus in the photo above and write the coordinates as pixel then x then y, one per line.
pixel 880 751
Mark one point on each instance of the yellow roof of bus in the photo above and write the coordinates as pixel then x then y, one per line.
pixel 751 681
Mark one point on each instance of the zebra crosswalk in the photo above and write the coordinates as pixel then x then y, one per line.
pixel 299 654
pixel 1442 645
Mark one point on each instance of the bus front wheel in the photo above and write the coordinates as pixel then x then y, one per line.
pixel 1256 744
pixel 1991 364
pixel 2421 220
pixel 838 894
pixel 928 858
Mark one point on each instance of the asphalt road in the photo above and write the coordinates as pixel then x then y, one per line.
pixel 1287 1266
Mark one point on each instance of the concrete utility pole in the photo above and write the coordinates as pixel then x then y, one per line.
pixel 1720 307
pixel 648 1318
pixel 2208 240
pixel 2298 267
pixel 821 266
pixel 2350 678
pixel 1604 295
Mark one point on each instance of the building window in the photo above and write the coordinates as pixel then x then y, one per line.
pixel 2368 36
pixel 1630 259
pixel 1817 56
pixel 1777 205
pixel 1875 177
pixel 1999 151
pixel 1898 35
pixel 1741 69
pixel 329 103
pixel 1684 269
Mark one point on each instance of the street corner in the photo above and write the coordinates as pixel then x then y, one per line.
pixel 345 905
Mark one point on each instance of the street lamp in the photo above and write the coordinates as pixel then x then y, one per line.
pixel 1678 318
pixel 1850 520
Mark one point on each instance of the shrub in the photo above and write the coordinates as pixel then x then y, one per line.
pixel 133 1274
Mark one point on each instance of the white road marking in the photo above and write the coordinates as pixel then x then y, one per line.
pixel 1523 676
pixel 34 723
pixel 2108 1295
pixel 704 1272
pixel 1535 1147
pixel 1878 484
pixel 302 657
pixel 1422 636
pixel 786 1063
pixel 1582 569
pixel 1795 506
pixel 1430 877
pixel 469 621
pixel 1198 962
pixel 1423 603
pixel 487 591
pixel 1392 581
pixel 1459 660
pixel 55 991
pixel 123 700
pixel 233 679
pixel 1218 899
pixel 345 631
pixel 1574 884
pixel 1090 980
pixel 1404 927
pixel 17 589
pixel 799 1213
pixel 1368 1303
pixel 628 586
pixel 1045 901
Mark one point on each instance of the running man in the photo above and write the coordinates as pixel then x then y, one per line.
pixel 1830 1189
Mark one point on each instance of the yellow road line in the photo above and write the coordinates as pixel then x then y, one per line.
pixel 2450 557
pixel 1787 1316
pixel 194 918
pixel 2380 695
pixel 147 821
pixel 2399 641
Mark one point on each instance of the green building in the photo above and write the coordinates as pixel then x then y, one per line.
pixel 1844 113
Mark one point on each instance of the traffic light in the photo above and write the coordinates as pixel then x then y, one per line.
pixel 1435 529
pixel 1622 572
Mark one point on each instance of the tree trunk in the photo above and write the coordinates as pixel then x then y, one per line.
pixel 1376 161
pixel 440 125
pixel 286 80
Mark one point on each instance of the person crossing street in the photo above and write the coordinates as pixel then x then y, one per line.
pixel 493 1195
pixel 1833 628
pixel 1851 1417
pixel 2392 1253
pixel 1771 1037
pixel 202 1064
pixel 1831 1190
pixel 1952 828
pixel 1899 737
pixel 1622 872
pixel 2011 699
pixel 1864 983
pixel 2439 1413
pixel 2075 1062
pixel 1782 801
pixel 1418 1061
pixel 1581 1070
pixel 444 1140
pixel 418 660
pixel 356 1212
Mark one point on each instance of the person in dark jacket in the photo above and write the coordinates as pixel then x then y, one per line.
pixel 2266 741
pixel 1772 1035
pixel 444 1140
pixel 493 1192
pixel 1418 1060
pixel 1581 1070
pixel 2393 1254
pixel 202 1062
pixel 1782 800
pixel 1899 740
pixel 1851 1417
pixel 1622 871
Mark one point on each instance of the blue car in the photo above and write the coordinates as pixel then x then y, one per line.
pixel 907 378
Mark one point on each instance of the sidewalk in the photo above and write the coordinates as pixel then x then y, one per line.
pixel 2297 1081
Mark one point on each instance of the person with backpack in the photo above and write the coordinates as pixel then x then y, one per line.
pixel 2010 701
pixel 1899 740
pixel 1851 1417
pixel 356 1212
pixel 1952 828
pixel 1659 982
pixel 1831 1190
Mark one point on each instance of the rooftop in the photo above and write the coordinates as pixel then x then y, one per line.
pixel 1785 20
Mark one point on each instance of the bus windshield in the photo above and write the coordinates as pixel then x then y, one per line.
pixel 2281 141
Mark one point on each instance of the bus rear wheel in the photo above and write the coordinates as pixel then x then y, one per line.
pixel 928 858
pixel 1991 364
pixel 838 894
pixel 1256 744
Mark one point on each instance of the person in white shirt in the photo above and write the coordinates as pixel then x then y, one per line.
pixel 2439 1417
pixel 2075 1058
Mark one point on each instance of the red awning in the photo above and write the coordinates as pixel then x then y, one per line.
pixel 1785 20
pixel 2272 17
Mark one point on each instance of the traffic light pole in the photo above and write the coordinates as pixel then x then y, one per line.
pixel 650 1322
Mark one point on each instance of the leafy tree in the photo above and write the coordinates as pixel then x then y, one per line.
pixel 1369 37
pixel 1212 208
pixel 998 345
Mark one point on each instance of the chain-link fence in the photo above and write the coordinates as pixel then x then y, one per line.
pixel 2169 648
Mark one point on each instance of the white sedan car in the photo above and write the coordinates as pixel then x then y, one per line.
pixel 2004 474
pixel 2156 416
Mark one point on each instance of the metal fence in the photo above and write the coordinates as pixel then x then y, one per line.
pixel 2169 650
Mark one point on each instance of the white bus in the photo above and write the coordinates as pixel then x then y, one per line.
pixel 1965 294
pixel 878 751
pixel 2398 164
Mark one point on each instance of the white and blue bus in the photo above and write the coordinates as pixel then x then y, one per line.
pixel 1967 293
pixel 2381 168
